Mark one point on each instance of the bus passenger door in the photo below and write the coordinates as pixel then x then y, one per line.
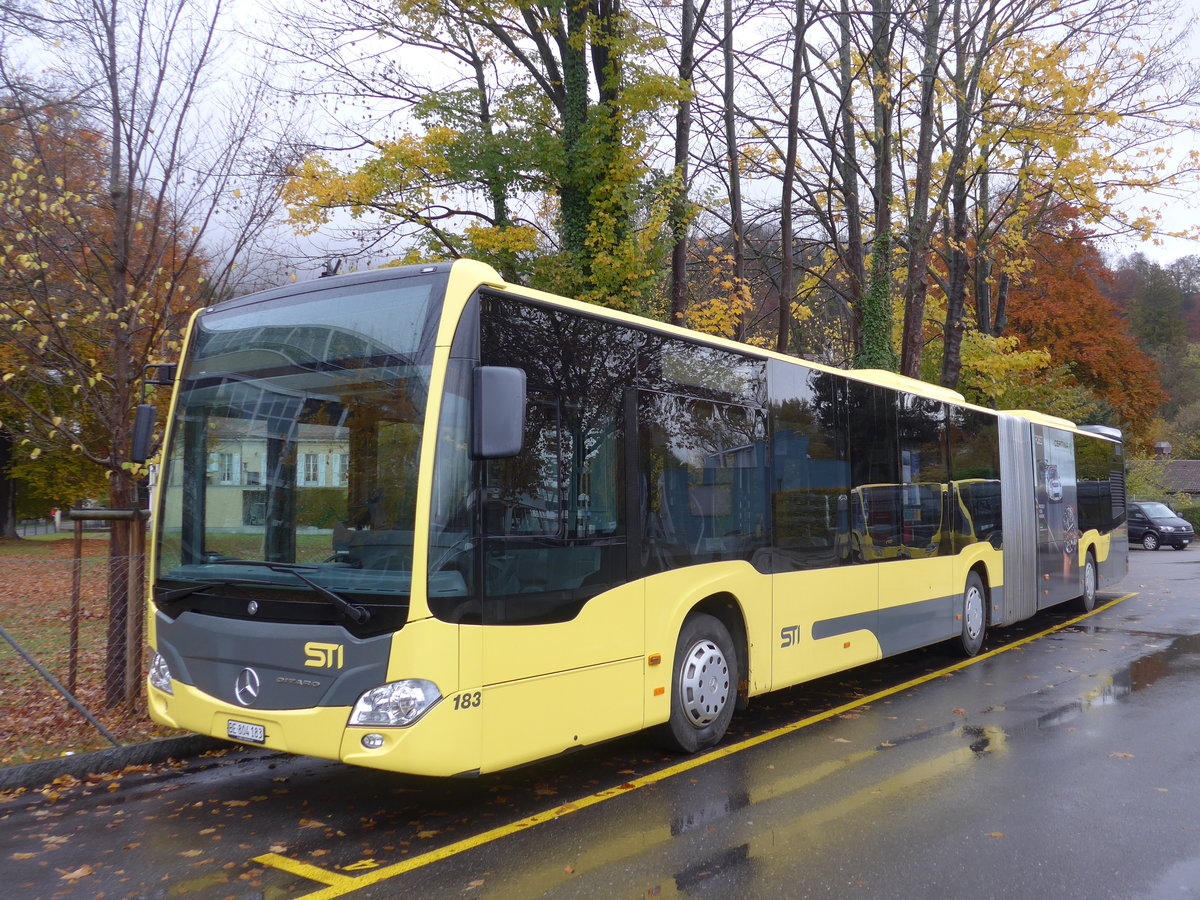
pixel 826 592
pixel 1058 576
pixel 562 636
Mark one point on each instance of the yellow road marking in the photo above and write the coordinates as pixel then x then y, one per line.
pixel 339 885
pixel 311 872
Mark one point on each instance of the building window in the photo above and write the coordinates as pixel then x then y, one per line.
pixel 312 469
pixel 228 466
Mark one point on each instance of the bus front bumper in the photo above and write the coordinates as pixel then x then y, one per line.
pixel 444 742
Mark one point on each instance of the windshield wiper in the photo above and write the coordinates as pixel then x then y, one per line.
pixel 357 614
pixel 180 593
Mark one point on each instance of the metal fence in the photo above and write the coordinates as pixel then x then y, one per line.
pixel 27 528
pixel 72 655
pixel 34 527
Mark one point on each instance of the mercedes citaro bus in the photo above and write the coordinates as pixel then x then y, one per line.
pixel 424 520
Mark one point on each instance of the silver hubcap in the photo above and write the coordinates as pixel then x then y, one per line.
pixel 1089 580
pixel 973 612
pixel 704 683
pixel 1150 542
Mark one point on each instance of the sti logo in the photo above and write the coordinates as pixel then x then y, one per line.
pixel 323 656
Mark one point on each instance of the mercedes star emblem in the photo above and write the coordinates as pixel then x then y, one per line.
pixel 246 687
pixel 252 607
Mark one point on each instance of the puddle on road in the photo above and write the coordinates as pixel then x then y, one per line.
pixel 713 809
pixel 1180 657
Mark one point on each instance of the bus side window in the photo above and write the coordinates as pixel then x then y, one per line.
pixel 974 443
pixel 704 467
pixel 554 516
pixel 925 525
pixel 810 470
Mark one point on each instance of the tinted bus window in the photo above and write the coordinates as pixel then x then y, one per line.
pixel 810 475
pixel 974 442
pixel 924 474
pixel 674 366
pixel 1100 470
pixel 554 524
pixel 876 503
pixel 703 466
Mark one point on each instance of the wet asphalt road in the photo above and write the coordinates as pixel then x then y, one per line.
pixel 1067 766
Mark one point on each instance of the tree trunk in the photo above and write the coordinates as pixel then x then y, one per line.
pixel 118 650
pixel 957 292
pixel 736 221
pixel 574 199
pixel 876 348
pixel 496 188
pixel 120 355
pixel 679 204
pixel 8 487
pixel 848 174
pixel 787 275
pixel 1001 320
pixel 983 259
pixel 920 226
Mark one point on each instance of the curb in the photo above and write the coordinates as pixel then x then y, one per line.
pixel 43 771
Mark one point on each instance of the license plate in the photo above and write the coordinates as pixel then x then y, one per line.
pixel 244 731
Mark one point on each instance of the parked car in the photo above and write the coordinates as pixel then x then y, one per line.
pixel 1154 524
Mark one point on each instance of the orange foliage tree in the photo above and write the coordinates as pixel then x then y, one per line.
pixel 75 342
pixel 1059 306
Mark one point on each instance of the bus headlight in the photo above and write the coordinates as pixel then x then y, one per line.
pixel 395 705
pixel 160 674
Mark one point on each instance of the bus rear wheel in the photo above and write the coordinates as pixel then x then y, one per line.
pixel 974 615
pixel 1087 600
pixel 703 686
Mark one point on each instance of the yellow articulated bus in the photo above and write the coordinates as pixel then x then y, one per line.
pixel 423 520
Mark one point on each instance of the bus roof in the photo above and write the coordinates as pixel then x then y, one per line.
pixel 466 275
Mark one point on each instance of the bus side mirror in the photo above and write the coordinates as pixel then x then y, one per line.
pixel 498 420
pixel 160 374
pixel 143 431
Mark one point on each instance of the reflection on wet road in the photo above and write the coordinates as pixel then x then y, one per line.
pixel 1062 766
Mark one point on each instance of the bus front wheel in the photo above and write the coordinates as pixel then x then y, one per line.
pixel 974 615
pixel 703 686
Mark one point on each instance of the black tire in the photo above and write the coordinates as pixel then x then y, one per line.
pixel 1150 541
pixel 1087 600
pixel 974 615
pixel 703 686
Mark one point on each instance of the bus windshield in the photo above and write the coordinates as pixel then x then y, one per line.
pixel 292 466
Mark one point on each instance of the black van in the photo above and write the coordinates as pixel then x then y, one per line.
pixel 1154 524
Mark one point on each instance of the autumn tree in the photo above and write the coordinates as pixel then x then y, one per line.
pixel 904 154
pixel 1069 105
pixel 1060 307
pixel 691 22
pixel 528 141
pixel 115 205
pixel 32 482
pixel 1157 303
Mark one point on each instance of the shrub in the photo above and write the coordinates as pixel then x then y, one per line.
pixel 320 507
pixel 1191 513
